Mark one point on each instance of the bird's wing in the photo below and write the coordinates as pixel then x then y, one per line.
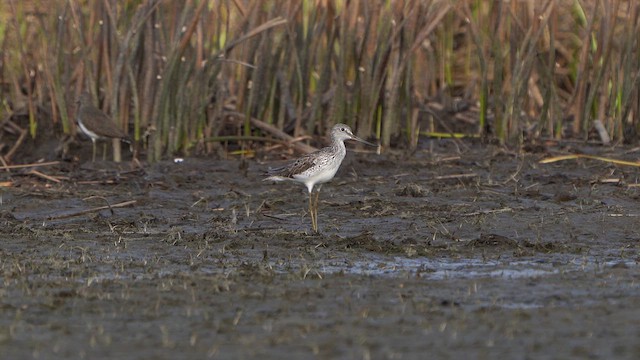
pixel 299 166
pixel 104 125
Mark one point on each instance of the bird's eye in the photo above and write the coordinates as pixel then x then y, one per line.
pixel 343 129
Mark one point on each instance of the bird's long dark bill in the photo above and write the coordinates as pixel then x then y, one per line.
pixel 362 141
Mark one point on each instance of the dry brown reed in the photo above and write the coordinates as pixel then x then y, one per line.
pixel 176 74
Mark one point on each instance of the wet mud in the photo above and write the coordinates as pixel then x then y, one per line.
pixel 479 253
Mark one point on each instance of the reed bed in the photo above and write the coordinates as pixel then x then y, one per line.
pixel 191 76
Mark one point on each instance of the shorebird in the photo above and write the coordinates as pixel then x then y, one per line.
pixel 317 167
pixel 96 124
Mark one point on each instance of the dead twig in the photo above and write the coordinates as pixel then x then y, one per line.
pixel 23 134
pixel 593 157
pixel 23 166
pixel 490 211
pixel 291 141
pixel 99 182
pixel 92 210
pixel 273 217
pixel 455 176
pixel 43 175
pixel 101 198
pixel 5 165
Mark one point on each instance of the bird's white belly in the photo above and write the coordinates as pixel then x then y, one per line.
pixel 318 177
pixel 88 132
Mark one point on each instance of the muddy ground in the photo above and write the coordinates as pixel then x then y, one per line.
pixel 452 252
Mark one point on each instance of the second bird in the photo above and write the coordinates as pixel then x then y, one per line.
pixel 96 124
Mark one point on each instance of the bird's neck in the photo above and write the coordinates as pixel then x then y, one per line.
pixel 338 147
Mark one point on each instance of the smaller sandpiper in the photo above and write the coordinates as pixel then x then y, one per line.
pixel 96 124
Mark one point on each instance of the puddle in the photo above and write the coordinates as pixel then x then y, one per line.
pixel 440 269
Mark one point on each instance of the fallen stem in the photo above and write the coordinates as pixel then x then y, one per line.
pixel 43 175
pixel 96 209
pixel 23 166
pixel 593 157
pixel 290 140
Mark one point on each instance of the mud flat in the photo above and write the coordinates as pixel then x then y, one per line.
pixel 479 254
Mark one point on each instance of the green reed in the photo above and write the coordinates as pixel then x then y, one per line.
pixel 175 73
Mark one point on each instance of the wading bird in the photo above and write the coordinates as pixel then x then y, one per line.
pixel 317 167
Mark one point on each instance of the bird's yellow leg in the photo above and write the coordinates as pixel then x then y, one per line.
pixel 314 224
pixel 315 208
